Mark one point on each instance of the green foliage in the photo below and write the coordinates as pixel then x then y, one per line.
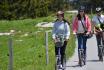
pixel 20 9
pixel 89 4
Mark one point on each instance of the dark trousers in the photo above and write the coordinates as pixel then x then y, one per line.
pixel 62 51
pixel 100 40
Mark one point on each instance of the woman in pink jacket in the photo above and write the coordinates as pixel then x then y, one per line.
pixel 81 28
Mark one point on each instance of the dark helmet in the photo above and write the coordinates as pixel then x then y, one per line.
pixel 60 13
pixel 98 9
pixel 81 8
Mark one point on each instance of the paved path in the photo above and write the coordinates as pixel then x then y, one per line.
pixel 92 58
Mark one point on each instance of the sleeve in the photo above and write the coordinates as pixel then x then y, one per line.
pixel 93 20
pixel 89 24
pixel 67 31
pixel 103 19
pixel 74 25
pixel 54 31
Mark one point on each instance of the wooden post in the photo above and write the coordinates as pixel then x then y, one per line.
pixel 10 45
pixel 46 45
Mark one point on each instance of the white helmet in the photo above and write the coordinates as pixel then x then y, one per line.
pixel 98 9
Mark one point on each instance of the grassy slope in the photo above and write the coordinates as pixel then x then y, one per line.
pixel 29 51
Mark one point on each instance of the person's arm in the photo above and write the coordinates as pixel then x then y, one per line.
pixel 88 24
pixel 67 31
pixel 53 31
pixel 96 27
pixel 74 25
pixel 93 24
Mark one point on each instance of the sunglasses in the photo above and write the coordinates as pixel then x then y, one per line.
pixel 81 11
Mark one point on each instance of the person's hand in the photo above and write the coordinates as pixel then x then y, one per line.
pixel 87 33
pixel 66 39
pixel 95 32
pixel 101 30
pixel 74 33
pixel 55 40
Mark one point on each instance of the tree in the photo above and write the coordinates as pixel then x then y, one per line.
pixel 20 9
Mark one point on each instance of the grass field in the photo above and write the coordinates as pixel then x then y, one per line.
pixel 29 47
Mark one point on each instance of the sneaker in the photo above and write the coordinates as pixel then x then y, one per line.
pixel 84 62
pixel 100 58
pixel 61 66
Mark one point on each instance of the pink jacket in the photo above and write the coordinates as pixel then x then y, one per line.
pixel 87 24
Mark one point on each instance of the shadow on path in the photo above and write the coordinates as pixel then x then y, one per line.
pixel 74 66
pixel 93 61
